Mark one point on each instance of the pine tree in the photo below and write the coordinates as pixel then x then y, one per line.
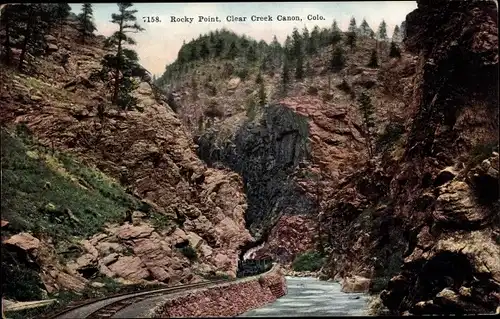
pixel 373 60
pixel 336 33
pixel 299 69
pixel 7 23
pixel 312 44
pixel 204 51
pixel 352 26
pixel 367 113
pixel 285 76
pixel 382 31
pixel 193 52
pixel 27 25
pixel 232 53
pixel 351 40
pixel 276 52
pixel 396 34
pixel 251 54
pixel 62 11
pixel 337 61
pixel 289 48
pixel 245 43
pixel 305 37
pixel 364 29
pixel 297 43
pixel 219 46
pixel 86 25
pixel 394 51
pixel 125 59
pixel 402 30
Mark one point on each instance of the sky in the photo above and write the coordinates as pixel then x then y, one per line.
pixel 158 45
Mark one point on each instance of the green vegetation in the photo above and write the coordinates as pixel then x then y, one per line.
pixel 396 34
pixel 364 29
pixel 189 252
pixel 352 34
pixel 86 25
pixel 42 189
pixel 25 26
pixel 53 193
pixel 382 31
pixel 308 261
pixel 394 51
pixel 124 62
pixel 337 62
pixel 373 60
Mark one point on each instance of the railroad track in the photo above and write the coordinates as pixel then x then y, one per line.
pixel 108 306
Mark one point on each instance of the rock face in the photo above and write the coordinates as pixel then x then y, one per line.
pixel 151 154
pixel 265 154
pixel 296 150
pixel 429 217
pixel 290 236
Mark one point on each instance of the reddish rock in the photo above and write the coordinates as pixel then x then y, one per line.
pixel 225 300
pixel 355 284
pixel 129 267
pixel 128 231
pixel 24 241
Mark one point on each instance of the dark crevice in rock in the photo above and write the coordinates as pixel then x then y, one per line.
pixel 265 154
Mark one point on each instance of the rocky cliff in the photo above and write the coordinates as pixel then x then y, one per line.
pixel 148 153
pixel 429 219
pixel 292 152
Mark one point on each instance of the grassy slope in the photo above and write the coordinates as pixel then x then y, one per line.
pixel 39 185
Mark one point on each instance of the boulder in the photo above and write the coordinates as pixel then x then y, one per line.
pixel 233 83
pixel 129 267
pixel 194 240
pixel 137 217
pixel 50 38
pixel 128 231
pixel 356 284
pixel 51 47
pixel 106 248
pixel 24 241
pixel 456 205
pixel 109 259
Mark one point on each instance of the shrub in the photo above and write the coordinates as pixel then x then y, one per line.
pixel 312 90
pixel 20 282
pixel 373 60
pixel 344 86
pixel 189 252
pixel 242 73
pixel 308 261
pixel 214 109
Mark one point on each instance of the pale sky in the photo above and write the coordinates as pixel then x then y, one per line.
pixel 158 45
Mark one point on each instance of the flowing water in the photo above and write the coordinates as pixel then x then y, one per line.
pixel 312 297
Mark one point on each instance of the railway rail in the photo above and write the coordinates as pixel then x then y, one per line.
pixel 106 307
